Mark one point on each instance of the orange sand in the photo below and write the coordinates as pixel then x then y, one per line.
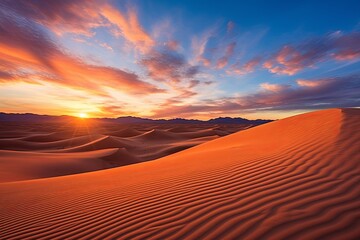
pixel 296 178
pixel 35 150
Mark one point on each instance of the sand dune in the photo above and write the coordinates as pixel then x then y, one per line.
pixel 55 149
pixel 296 178
pixel 17 165
pixel 157 135
pixel 128 132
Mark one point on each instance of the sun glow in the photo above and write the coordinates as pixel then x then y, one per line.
pixel 83 115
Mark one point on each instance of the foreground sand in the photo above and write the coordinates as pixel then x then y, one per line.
pixel 296 178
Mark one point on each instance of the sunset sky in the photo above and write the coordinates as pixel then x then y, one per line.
pixel 167 59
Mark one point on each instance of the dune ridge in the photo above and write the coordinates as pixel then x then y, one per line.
pixel 296 178
pixel 56 149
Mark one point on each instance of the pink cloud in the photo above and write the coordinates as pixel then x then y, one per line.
pixel 82 17
pixel 230 26
pixel 106 46
pixel 199 45
pixel 168 66
pixel 287 61
pixel 229 51
pixel 308 94
pixel 246 68
pixel 172 45
pixel 78 17
pixel 290 60
pixel 129 26
pixel 313 83
pixel 274 87
pixel 347 55
pixel 28 53
pixel 221 62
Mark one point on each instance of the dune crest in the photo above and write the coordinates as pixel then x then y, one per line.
pixel 296 178
pixel 62 148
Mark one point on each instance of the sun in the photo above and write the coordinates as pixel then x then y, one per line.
pixel 83 115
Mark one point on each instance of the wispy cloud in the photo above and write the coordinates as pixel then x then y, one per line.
pixel 199 44
pixel 246 68
pixel 291 59
pixel 168 66
pixel 82 17
pixel 128 26
pixel 305 95
pixel 229 51
pixel 27 50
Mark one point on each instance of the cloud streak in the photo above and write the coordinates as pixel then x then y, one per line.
pixel 168 66
pixel 82 17
pixel 291 59
pixel 242 69
pixel 229 51
pixel 305 95
pixel 27 50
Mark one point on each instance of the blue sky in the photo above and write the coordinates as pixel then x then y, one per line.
pixel 164 59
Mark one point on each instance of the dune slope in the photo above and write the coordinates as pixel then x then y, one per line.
pixel 296 178
pixel 34 150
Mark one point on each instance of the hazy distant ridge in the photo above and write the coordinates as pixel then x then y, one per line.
pixel 30 117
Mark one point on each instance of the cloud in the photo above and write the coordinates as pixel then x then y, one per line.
pixel 129 26
pixel 230 26
pixel 215 47
pixel 106 46
pixel 274 87
pixel 82 17
pixel 306 95
pixel 246 68
pixel 5 76
pixel 229 51
pixel 309 94
pixel 168 66
pixel 291 59
pixel 309 83
pixel 27 50
pixel 193 83
pixel 199 45
pixel 60 16
pixel 172 45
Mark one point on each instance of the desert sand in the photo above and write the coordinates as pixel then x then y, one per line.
pixel 38 150
pixel 296 178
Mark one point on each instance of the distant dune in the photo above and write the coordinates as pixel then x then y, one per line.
pixel 30 117
pixel 32 150
pixel 296 178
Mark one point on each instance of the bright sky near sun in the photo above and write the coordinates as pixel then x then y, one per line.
pixel 166 59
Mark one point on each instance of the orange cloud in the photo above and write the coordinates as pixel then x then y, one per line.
pixel 248 67
pixel 64 16
pixel 313 83
pixel 172 45
pixel 229 51
pixel 26 50
pixel 82 16
pixel 290 60
pixel 128 26
pixel 273 87
pixel 287 61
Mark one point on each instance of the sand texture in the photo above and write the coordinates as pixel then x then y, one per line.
pixel 296 178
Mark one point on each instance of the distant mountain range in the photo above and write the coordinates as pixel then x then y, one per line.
pixel 30 117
